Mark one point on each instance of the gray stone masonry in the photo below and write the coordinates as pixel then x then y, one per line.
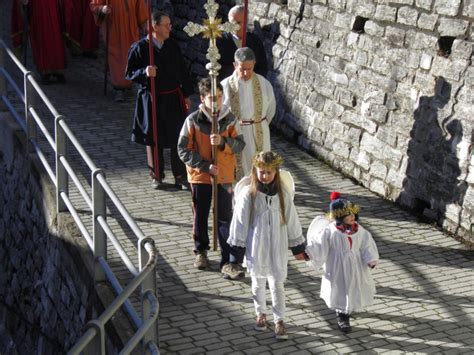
pixel 383 98
pixel 424 280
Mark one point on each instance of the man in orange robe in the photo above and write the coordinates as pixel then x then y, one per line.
pixel 125 18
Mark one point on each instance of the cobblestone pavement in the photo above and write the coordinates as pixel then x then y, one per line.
pixel 425 281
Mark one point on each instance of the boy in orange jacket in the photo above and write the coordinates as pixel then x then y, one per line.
pixel 194 148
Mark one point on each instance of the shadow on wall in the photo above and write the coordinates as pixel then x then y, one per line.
pixel 431 182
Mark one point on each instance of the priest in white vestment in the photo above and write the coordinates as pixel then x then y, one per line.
pixel 251 99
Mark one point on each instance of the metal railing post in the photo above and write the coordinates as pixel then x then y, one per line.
pixel 62 179
pixel 29 102
pixel 100 238
pixel 148 285
pixel 97 345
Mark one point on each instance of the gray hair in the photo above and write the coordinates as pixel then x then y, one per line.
pixel 235 10
pixel 244 54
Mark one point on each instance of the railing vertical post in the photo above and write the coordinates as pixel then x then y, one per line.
pixel 97 345
pixel 149 283
pixel 62 180
pixel 98 210
pixel 29 93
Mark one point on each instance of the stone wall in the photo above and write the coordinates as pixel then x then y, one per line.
pixel 45 297
pixel 381 90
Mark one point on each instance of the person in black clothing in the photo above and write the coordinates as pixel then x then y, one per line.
pixel 229 43
pixel 173 85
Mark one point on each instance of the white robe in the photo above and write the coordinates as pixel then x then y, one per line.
pixel 347 284
pixel 266 240
pixel 247 113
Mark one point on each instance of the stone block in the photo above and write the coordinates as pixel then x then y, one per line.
pixel 377 186
pixel 345 97
pixel 447 7
pixel 461 49
pixel 385 13
pixel 361 8
pixel 424 4
pixel 333 109
pixel 385 134
pixel 419 40
pixel 450 69
pixel 294 5
pixel 341 149
pixel 452 27
pixel 320 12
pixel 425 62
pixel 338 5
pixel 374 28
pixel 381 65
pixel 378 170
pixel 344 21
pixel 468 9
pixel 360 121
pixel 395 36
pixel 395 178
pixel 427 21
pixel 361 159
pixel 407 16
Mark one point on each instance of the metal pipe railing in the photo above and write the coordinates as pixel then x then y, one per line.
pixel 93 340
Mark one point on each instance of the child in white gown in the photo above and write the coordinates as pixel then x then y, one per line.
pixel 347 252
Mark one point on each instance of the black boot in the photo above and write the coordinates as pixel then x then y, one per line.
pixel 343 322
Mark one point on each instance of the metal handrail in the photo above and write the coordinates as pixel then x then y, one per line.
pixel 144 276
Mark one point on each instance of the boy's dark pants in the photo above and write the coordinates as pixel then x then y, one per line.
pixel 202 199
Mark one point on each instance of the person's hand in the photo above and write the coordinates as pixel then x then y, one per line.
pixel 150 71
pixel 106 9
pixel 187 102
pixel 216 139
pixel 213 169
pixel 302 256
pixel 372 264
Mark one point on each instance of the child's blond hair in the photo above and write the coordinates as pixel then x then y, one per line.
pixel 267 160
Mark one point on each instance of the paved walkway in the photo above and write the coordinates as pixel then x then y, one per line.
pixel 425 281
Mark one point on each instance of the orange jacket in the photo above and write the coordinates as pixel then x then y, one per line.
pixel 194 147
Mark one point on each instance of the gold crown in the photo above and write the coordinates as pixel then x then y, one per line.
pixel 273 164
pixel 342 212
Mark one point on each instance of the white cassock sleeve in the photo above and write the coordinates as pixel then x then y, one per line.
pixel 239 227
pixel 318 240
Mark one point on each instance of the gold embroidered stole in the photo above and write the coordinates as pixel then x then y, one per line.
pixel 256 120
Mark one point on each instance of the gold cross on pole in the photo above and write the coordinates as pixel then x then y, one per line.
pixel 212 29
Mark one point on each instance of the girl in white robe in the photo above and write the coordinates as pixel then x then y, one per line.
pixel 266 224
pixel 347 252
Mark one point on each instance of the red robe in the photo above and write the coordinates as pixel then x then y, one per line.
pixel 17 24
pixel 45 35
pixel 125 20
pixel 79 24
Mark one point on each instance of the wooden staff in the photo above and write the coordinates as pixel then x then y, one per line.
pixel 154 123
pixel 214 156
pixel 106 67
pixel 244 24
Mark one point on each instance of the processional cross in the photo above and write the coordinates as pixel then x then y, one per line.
pixel 212 29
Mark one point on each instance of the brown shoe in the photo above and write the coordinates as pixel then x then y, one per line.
pixel 280 331
pixel 201 261
pixel 232 271
pixel 261 324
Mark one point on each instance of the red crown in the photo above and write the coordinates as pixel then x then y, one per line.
pixel 334 195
